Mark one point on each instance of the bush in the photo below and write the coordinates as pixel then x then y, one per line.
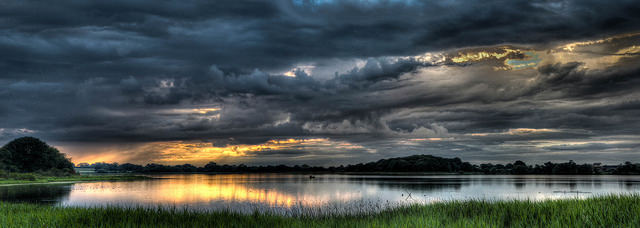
pixel 29 154
pixel 55 172
pixel 22 176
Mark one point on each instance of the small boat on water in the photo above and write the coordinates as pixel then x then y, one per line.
pixel 312 177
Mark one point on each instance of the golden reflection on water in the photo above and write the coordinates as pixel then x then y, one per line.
pixel 195 189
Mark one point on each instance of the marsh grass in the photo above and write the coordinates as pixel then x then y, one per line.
pixel 603 211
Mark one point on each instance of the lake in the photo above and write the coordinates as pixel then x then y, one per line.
pixel 330 193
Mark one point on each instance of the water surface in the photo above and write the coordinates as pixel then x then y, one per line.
pixel 289 193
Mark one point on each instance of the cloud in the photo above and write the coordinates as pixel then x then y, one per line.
pixel 368 74
pixel 520 132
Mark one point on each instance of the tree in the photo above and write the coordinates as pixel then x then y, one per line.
pixel 627 168
pixel 210 167
pixel 518 162
pixel 5 161
pixel 29 154
pixel 519 167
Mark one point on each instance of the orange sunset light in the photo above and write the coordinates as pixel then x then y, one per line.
pixel 183 151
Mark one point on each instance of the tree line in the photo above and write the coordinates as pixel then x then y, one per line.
pixel 415 163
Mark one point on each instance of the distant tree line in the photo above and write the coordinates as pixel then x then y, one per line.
pixel 102 167
pixel 415 163
pixel 519 167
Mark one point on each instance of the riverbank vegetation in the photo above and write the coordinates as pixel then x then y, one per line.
pixel 604 211
pixel 35 178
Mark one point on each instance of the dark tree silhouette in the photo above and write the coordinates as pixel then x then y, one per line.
pixel 5 163
pixel 210 167
pixel 29 154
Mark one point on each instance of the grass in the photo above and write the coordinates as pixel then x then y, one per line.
pixel 604 211
pixel 32 178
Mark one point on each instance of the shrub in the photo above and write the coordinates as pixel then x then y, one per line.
pixel 22 176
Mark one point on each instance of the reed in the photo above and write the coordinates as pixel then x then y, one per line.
pixel 34 178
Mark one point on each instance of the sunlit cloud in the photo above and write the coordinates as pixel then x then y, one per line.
pixel 519 132
pixel 597 54
pixel 427 139
pixel 306 69
pixel 525 131
pixel 592 52
pixel 181 152
pixel 574 45
pixel 472 55
pixel 612 140
pixel 189 111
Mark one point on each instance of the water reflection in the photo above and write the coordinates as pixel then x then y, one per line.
pixel 45 193
pixel 195 189
pixel 249 192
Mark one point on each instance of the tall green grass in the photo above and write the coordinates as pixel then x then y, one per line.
pixel 604 211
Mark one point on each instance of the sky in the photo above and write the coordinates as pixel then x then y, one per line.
pixel 323 82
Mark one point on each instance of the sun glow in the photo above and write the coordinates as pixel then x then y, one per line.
pixel 180 152
pixel 193 151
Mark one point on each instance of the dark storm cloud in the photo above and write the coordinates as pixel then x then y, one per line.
pixel 142 71
pixel 575 82
pixel 266 34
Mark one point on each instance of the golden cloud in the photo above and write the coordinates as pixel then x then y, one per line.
pixel 595 54
pixel 518 131
pixel 180 152
pixel 502 58
pixel 574 45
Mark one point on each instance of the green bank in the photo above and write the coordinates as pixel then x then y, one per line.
pixel 604 211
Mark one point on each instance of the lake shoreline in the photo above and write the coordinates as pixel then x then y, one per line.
pixel 70 179
pixel 603 211
pixel 369 173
